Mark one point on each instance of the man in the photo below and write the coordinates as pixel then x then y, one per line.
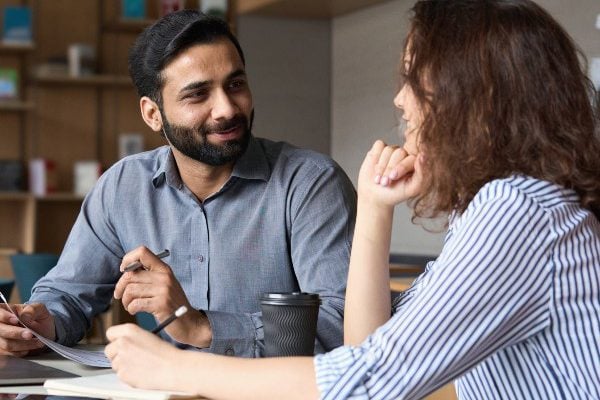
pixel 241 216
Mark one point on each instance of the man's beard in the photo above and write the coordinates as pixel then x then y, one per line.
pixel 193 142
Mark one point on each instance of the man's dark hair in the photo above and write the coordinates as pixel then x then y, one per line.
pixel 161 42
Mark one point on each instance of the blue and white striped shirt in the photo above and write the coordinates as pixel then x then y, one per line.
pixel 511 308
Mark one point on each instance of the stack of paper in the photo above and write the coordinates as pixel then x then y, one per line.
pixel 107 386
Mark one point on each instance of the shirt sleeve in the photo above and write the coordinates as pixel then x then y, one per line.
pixel 321 231
pixel 82 283
pixel 489 289
pixel 234 334
pixel 322 212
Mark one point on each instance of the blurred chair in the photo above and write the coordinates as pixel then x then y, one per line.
pixel 6 286
pixel 29 268
pixel 146 320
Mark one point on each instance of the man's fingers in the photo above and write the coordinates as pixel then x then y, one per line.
pixel 140 305
pixel 33 312
pixel 6 317
pixel 144 256
pixel 134 277
pixel 14 332
pixel 11 345
pixel 135 291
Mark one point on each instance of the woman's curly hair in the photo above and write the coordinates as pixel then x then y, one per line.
pixel 504 91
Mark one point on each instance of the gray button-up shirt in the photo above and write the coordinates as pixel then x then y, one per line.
pixel 282 222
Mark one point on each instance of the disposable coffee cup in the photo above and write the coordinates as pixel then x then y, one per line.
pixel 290 323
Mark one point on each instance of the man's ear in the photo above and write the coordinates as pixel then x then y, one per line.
pixel 151 113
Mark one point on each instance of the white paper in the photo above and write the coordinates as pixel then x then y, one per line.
pixel 106 386
pixel 93 358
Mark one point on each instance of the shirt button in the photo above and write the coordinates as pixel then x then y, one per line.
pixel 201 258
pixel 229 352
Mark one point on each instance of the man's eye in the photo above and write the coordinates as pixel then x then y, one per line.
pixel 237 84
pixel 201 93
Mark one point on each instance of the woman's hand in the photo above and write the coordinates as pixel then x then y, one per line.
pixel 389 175
pixel 141 359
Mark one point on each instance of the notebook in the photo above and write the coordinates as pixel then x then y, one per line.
pixel 107 386
pixel 19 371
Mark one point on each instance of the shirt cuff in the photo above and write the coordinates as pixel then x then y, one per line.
pixel 331 367
pixel 234 334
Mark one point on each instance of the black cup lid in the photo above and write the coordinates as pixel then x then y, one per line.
pixel 290 298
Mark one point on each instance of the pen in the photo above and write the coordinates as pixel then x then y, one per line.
pixel 178 313
pixel 137 264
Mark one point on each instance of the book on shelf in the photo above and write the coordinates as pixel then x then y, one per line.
pixel 11 175
pixel 17 27
pixel 169 6
pixel 215 8
pixel 42 176
pixel 133 9
pixel 9 84
pixel 85 175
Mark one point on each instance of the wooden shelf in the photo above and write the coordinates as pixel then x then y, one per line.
pixel 405 270
pixel 57 197
pixel 7 251
pixel 60 196
pixel 128 25
pixel 16 48
pixel 92 80
pixel 15 106
pixel 302 8
pixel 12 196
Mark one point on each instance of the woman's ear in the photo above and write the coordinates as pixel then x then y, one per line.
pixel 151 113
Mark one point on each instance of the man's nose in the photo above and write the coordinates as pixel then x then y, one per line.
pixel 223 106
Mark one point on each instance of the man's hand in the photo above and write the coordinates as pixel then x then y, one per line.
pixel 154 289
pixel 18 341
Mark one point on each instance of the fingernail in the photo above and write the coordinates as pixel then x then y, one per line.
pixel 26 335
pixel 13 320
pixel 377 178
pixel 384 181
pixel 393 175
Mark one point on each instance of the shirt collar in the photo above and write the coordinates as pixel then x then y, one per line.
pixel 253 164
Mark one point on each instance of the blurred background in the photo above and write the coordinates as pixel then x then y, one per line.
pixel 322 72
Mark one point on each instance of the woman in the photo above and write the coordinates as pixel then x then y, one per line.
pixel 501 136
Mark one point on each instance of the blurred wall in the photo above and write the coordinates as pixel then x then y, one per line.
pixel 365 54
pixel 329 84
pixel 289 67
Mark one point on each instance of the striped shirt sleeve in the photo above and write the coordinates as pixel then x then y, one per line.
pixel 488 289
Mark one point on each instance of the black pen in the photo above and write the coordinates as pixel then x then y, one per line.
pixel 178 313
pixel 137 264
